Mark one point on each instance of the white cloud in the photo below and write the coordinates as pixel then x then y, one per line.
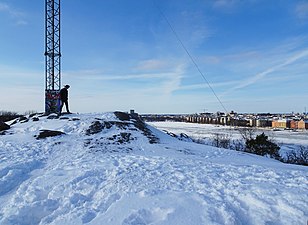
pixel 17 15
pixel 92 88
pixel 243 56
pixel 173 83
pixel 152 64
pixel 204 85
pixel 101 76
pixel 302 10
pixel 4 7
pixel 193 29
pixel 259 76
pixel 224 3
pixel 211 59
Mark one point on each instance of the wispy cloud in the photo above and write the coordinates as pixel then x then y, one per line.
pixel 152 64
pixel 163 83
pixel 224 4
pixel 243 55
pixel 174 82
pixel 259 76
pixel 193 28
pixel 301 10
pixel 205 85
pixel 101 76
pixel 17 15
pixel 4 7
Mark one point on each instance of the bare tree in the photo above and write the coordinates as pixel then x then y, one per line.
pixel 299 156
pixel 238 145
pixel 247 133
pixel 221 140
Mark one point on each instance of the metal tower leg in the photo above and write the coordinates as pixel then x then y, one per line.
pixel 52 56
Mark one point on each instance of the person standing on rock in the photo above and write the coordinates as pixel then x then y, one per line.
pixel 64 98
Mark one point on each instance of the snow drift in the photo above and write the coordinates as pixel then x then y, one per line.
pixel 112 168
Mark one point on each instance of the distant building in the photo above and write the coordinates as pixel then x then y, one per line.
pixel 240 122
pixel 281 123
pixel 302 124
pixel 263 123
pixel 294 124
pixel 252 122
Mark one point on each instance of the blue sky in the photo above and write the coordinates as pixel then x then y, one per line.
pixel 122 55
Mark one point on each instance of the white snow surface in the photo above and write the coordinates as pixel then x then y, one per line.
pixel 92 179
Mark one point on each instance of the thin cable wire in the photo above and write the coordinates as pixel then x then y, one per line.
pixel 189 55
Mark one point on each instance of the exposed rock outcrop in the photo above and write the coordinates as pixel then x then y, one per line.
pixel 48 133
pixel 4 126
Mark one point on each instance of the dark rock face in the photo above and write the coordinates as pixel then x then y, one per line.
pixel 4 126
pixel 23 119
pixel 121 138
pixel 139 124
pixel 35 119
pixel 74 119
pixel 97 127
pixel 181 137
pixel 122 116
pixel 145 130
pixel 5 118
pixel 48 133
pixel 127 122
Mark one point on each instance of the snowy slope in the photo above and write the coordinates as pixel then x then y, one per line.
pixel 105 170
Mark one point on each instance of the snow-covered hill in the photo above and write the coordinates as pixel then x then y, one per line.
pixel 111 168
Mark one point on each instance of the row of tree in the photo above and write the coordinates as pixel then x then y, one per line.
pixel 260 145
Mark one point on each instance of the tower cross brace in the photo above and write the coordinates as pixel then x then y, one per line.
pixel 52 56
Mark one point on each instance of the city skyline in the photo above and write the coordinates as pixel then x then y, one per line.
pixel 121 55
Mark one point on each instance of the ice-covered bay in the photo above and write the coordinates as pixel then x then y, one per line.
pixel 195 130
pixel 115 176
pixel 287 139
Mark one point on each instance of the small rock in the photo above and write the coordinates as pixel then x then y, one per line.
pixel 48 133
pixel 53 116
pixel 4 126
pixel 97 127
pixel 122 116
pixel 74 119
pixel 23 119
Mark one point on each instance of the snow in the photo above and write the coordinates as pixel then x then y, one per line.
pixel 299 137
pixel 286 139
pixel 97 179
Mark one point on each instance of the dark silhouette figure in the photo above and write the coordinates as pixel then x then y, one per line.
pixel 64 98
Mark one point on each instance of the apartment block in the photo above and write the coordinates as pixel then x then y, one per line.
pixel 302 124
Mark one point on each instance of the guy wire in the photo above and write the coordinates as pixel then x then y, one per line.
pixel 189 55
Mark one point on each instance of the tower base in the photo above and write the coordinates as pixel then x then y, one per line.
pixel 52 101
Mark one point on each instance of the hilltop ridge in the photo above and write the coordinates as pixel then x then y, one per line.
pixel 112 168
